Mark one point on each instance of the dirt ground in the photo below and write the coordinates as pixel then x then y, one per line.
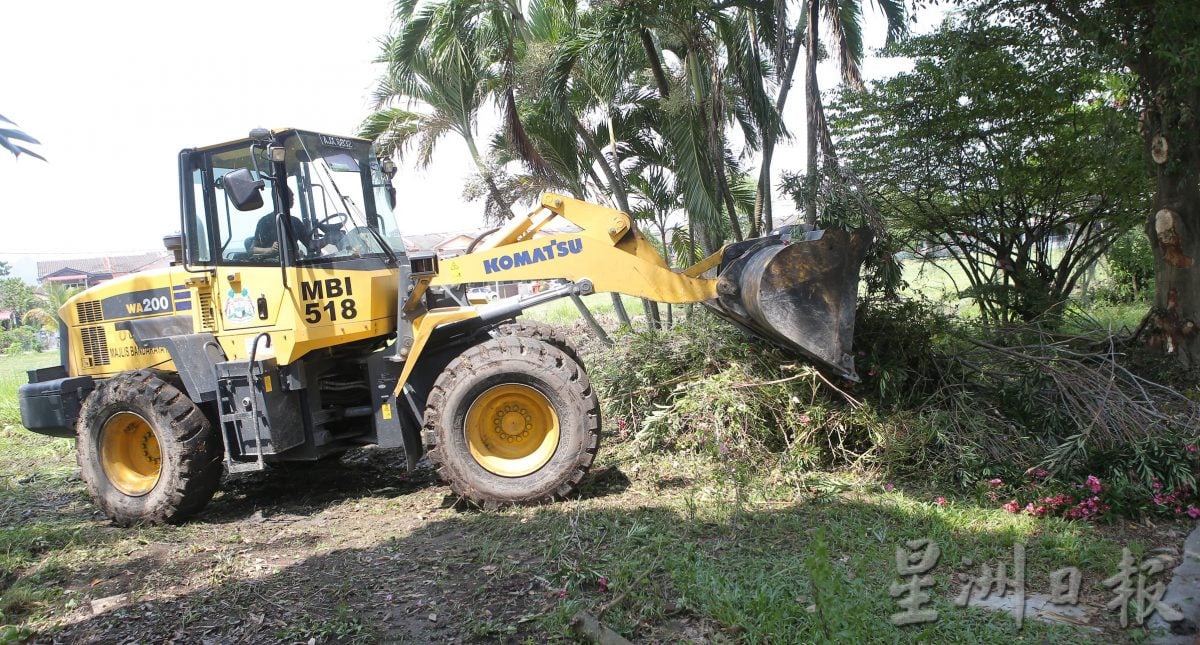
pixel 330 553
pixel 362 552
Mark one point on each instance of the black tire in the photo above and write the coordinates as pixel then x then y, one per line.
pixel 143 486
pixel 513 367
pixel 543 332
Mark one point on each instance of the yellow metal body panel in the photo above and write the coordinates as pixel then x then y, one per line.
pixel 607 250
pixel 320 308
pixel 97 347
pixel 423 327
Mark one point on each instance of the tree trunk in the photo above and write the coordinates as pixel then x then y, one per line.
pixel 656 68
pixel 716 149
pixel 1174 228
pixel 813 96
pixel 588 318
pixel 614 183
pixel 763 211
pixel 618 190
pixel 486 173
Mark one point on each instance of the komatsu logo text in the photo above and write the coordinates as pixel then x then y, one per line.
pixel 540 254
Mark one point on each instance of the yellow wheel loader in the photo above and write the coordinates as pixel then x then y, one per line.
pixel 293 325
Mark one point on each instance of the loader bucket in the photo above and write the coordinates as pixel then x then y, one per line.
pixel 799 294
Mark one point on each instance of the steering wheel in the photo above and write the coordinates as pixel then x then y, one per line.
pixel 325 231
pixel 334 221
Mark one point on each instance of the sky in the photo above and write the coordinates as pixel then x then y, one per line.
pixel 114 90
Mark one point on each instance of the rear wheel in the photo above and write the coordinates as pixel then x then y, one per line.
pixel 146 452
pixel 512 420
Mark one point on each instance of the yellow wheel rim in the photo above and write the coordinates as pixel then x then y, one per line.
pixel 512 430
pixel 129 453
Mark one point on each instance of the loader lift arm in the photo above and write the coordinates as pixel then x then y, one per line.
pixel 799 294
pixel 608 250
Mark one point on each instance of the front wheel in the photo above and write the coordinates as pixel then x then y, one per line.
pixel 512 420
pixel 146 452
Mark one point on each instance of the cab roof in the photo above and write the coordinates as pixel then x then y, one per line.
pixel 275 133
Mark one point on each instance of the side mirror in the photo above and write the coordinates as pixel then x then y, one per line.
pixel 389 171
pixel 243 190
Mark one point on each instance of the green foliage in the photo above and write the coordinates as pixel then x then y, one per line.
pixel 997 149
pixel 1130 269
pixel 12 634
pixel 939 402
pixel 896 343
pixel 17 296
pixel 644 368
pixel 19 339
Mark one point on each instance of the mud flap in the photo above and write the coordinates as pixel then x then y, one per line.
pixel 799 294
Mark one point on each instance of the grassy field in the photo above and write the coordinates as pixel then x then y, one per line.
pixel 12 375
pixel 563 310
pixel 662 547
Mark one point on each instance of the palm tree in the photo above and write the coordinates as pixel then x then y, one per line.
pixel 780 46
pixel 450 96
pixel 10 135
pixel 844 18
pixel 55 296
pixel 451 56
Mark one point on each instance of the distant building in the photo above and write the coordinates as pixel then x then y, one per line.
pixel 446 245
pixel 86 272
pixel 8 319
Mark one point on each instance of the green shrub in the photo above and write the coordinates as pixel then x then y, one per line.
pixel 1130 269
pixel 939 403
pixel 20 339
pixel 896 346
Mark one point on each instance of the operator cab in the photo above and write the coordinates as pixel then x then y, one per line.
pixel 290 197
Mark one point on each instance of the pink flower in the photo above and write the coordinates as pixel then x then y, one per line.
pixel 1191 447
pixel 1012 507
pixel 1193 512
pixel 603 582
pixel 889 487
pixel 1093 483
pixel 941 501
pixel 995 483
pixel 871 372
pixel 562 593
pixel 805 419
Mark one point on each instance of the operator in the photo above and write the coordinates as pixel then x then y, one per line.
pixel 266 233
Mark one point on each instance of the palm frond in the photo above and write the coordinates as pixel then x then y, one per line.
pixel 897 18
pixel 8 137
pixel 844 18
